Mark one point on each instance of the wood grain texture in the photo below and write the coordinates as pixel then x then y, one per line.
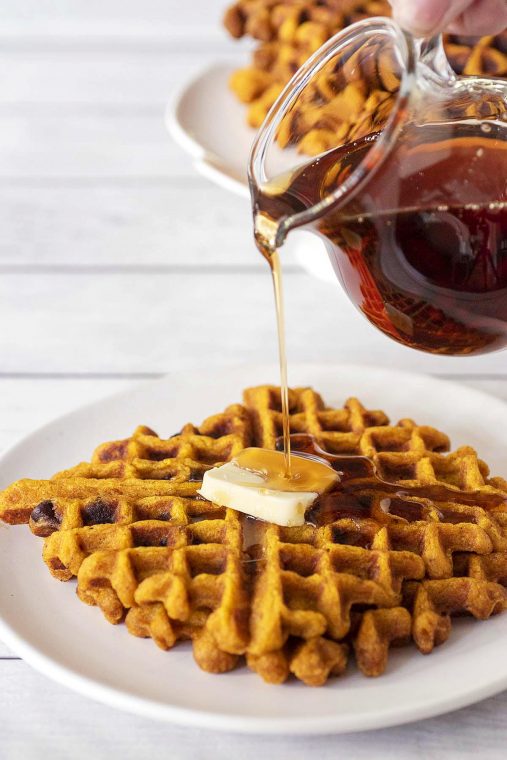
pixel 100 80
pixel 52 145
pixel 155 322
pixel 114 223
pixel 58 21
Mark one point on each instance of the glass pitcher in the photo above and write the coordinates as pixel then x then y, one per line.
pixel 400 167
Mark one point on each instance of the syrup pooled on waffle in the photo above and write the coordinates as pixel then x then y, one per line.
pixel 371 569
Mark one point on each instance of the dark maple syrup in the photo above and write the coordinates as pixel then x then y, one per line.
pixel 358 474
pixel 313 475
pixel 273 258
pixel 422 249
pixel 431 276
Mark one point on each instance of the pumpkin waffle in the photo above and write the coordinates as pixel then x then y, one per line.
pixel 371 571
pixel 317 570
pixel 187 584
pixel 304 591
pixel 478 588
pixel 289 31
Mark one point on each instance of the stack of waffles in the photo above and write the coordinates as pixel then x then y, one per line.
pixel 287 32
pixel 148 550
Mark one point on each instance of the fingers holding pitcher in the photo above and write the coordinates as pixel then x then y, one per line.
pixel 468 17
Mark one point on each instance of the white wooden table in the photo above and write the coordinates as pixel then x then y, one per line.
pixel 117 263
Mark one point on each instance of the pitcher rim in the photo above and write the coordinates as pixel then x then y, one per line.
pixel 382 145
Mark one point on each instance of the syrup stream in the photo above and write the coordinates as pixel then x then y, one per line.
pixel 265 237
pixel 276 272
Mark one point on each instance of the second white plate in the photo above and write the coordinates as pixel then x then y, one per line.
pixel 208 121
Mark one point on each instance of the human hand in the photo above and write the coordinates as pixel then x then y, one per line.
pixel 425 18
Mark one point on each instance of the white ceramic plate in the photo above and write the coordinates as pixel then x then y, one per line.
pixel 208 121
pixel 44 622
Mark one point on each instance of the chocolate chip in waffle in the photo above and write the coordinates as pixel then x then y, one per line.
pixel 134 512
pixel 377 571
pixel 124 473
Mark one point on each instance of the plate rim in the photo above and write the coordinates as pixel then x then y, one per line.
pixel 146 707
pixel 205 162
pixel 219 721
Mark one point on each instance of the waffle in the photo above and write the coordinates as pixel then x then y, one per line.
pixel 405 453
pixel 289 32
pixel 380 571
pixel 181 582
pixel 113 487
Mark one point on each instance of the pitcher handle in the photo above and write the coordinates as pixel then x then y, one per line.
pixel 431 60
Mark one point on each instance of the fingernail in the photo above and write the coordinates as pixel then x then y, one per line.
pixel 421 18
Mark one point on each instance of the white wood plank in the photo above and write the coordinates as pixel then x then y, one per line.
pixel 143 322
pixel 52 145
pixel 6 653
pixel 136 322
pixel 181 222
pixel 33 20
pixel 126 11
pixel 26 403
pixel 38 713
pixel 72 79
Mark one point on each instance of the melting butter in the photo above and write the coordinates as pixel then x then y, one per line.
pixel 255 483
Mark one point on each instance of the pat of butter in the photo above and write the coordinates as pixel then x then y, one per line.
pixel 243 490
